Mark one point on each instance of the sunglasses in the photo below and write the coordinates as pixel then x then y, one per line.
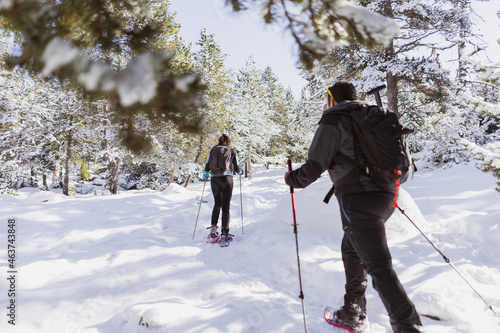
pixel 330 93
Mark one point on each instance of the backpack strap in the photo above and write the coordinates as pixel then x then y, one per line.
pixel 328 196
pixel 231 168
pixel 207 166
pixel 333 118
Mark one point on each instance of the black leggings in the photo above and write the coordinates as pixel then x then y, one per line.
pixel 222 189
pixel 364 250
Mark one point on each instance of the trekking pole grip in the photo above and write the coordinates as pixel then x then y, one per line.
pixel 289 161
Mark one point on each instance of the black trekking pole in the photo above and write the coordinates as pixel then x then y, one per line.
pixel 201 199
pixel 241 204
pixel 446 259
pixel 301 296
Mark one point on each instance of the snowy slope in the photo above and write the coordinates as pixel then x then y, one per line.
pixel 116 263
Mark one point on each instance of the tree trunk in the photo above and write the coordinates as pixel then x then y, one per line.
pixel 68 158
pixel 187 181
pixel 200 148
pixel 15 184
pixel 55 173
pixel 461 70
pixel 104 122
pixel 392 80
pixel 392 84
pixel 171 180
pixel 196 158
pixel 249 164
pixel 33 178
pixel 112 175
pixel 113 166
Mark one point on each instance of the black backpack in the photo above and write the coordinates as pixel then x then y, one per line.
pixel 220 160
pixel 380 145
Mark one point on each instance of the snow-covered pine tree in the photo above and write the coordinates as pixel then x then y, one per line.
pixel 419 88
pixel 45 127
pixel 280 101
pixel 54 35
pixel 210 62
pixel 143 130
pixel 252 123
pixel 483 99
pixel 304 116
pixel 318 25
pixel 165 162
pixel 72 119
pixel 26 147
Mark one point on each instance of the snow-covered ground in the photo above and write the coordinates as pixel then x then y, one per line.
pixel 129 263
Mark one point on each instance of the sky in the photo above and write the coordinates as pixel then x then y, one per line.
pixel 241 36
pixel 245 34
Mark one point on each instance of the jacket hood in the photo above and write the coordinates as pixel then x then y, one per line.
pixel 347 106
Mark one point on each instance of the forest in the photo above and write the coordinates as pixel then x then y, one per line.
pixel 106 93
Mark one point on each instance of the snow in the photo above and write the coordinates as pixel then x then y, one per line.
pixel 92 77
pixel 137 82
pixel 5 4
pixel 378 27
pixel 490 155
pixel 57 53
pixel 116 263
pixel 183 83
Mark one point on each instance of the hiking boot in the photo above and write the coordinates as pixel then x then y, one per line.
pixel 213 231
pixel 213 235
pixel 351 317
pixel 225 240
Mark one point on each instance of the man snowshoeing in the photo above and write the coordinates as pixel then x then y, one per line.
pixel 364 208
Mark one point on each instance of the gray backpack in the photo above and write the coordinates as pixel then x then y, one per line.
pixel 220 160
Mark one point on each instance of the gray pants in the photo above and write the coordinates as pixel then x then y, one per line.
pixel 365 250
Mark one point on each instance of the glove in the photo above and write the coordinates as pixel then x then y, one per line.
pixel 206 175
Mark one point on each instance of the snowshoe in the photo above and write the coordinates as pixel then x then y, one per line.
pixel 213 236
pixel 338 319
pixel 225 240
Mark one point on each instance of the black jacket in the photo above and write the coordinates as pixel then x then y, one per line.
pixel 334 139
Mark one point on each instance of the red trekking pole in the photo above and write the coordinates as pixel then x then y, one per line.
pixel 301 296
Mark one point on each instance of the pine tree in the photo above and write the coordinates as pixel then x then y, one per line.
pixel 280 101
pixel 318 25
pixel 45 125
pixel 210 62
pixel 483 97
pixel 304 117
pixel 60 37
pixel 419 88
pixel 170 149
pixel 252 123
pixel 23 139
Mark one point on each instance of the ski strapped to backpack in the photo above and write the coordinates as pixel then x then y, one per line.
pixel 381 150
pixel 220 160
